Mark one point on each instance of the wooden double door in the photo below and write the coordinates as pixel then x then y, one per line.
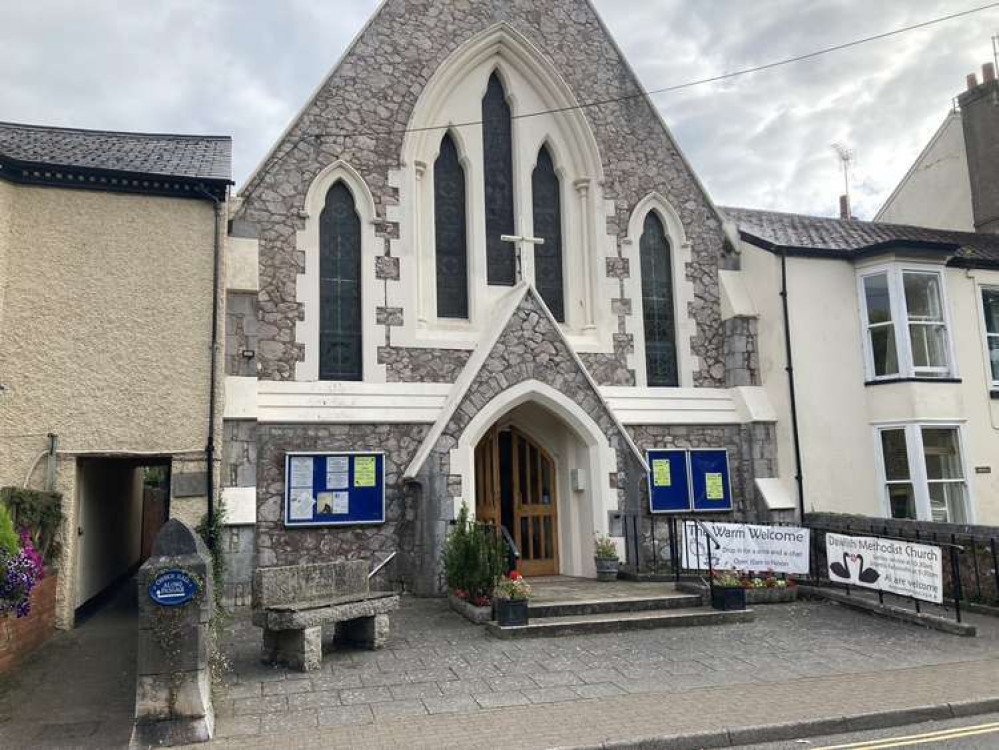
pixel 515 487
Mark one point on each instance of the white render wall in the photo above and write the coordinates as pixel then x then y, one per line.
pixel 837 411
pixel 936 192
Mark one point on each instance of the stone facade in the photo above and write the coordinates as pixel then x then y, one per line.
pixel 742 358
pixel 374 90
pixel 239 459
pixel 241 334
pixel 411 365
pixel 277 545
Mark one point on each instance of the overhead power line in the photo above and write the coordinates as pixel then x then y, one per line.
pixel 644 94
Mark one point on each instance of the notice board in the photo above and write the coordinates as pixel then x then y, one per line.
pixel 685 481
pixel 334 489
pixel 669 481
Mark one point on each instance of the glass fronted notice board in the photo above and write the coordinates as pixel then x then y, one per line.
pixel 334 489
pixel 682 481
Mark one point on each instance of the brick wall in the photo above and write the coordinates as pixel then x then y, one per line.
pixel 21 636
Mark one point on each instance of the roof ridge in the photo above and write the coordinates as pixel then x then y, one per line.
pixel 95 131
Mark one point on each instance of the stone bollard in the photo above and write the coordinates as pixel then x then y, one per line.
pixel 173 691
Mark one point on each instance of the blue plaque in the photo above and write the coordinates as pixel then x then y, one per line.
pixel 171 588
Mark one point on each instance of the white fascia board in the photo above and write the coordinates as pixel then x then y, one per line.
pixel 240 505
pixel 240 398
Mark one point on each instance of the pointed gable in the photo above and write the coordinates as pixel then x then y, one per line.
pixel 526 344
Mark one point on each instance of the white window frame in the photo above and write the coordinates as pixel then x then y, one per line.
pixel 917 467
pixel 900 320
pixel 986 336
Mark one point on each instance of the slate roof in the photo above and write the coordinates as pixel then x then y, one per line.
pixel 840 238
pixel 201 157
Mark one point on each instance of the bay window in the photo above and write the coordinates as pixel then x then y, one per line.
pixel 990 309
pixel 905 324
pixel 922 472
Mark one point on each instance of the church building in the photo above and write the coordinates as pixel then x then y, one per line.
pixel 478 254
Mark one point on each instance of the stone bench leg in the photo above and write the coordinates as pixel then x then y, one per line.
pixel 367 632
pixel 298 649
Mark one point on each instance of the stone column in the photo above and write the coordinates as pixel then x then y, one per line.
pixel 173 692
pixel 589 293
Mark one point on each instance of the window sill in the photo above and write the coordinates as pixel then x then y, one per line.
pixel 889 381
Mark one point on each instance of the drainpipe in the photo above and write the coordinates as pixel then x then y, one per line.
pixel 212 387
pixel 790 384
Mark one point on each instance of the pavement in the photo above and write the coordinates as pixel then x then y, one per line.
pixel 442 682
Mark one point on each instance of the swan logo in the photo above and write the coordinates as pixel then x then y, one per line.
pixel 853 569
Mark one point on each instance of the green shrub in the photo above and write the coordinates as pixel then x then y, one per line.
pixel 475 558
pixel 212 536
pixel 40 513
pixel 9 543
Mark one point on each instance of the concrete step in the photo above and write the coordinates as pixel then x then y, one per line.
pixel 576 607
pixel 613 622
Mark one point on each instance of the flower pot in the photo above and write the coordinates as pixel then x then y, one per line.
pixel 511 612
pixel 728 599
pixel 607 568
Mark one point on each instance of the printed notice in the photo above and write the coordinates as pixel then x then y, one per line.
pixel 324 504
pixel 341 503
pixel 714 486
pixel 301 506
pixel 661 473
pixel 364 471
pixel 337 473
pixel 301 472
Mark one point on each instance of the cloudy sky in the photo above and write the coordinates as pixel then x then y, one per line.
pixel 244 67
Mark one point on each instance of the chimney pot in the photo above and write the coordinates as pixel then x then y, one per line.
pixel 972 80
pixel 988 72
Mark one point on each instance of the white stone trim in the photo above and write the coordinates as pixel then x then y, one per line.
pixel 307 284
pixel 240 400
pixel 775 494
pixel 683 288
pixel 329 402
pixel 242 268
pixel 240 505
pixel 736 301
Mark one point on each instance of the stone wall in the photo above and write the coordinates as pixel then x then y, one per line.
pixel 276 545
pixel 411 365
pixel 374 90
pixel 241 334
pixel 742 357
pixel 239 457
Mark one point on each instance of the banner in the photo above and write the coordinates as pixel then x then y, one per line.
pixel 739 546
pixel 903 568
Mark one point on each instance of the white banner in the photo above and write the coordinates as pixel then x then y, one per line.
pixel 904 568
pixel 739 546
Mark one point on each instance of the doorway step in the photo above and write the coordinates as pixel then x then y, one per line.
pixel 571 606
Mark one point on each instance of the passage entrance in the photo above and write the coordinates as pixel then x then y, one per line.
pixel 515 488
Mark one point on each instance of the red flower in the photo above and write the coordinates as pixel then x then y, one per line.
pixel 515 575
pixel 461 593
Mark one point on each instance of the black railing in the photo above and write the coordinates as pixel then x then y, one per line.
pixel 513 551
pixel 969 553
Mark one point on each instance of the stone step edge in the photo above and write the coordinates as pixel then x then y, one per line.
pixel 606 623
pixel 630 604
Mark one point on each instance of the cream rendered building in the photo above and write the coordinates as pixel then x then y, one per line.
pixel 110 244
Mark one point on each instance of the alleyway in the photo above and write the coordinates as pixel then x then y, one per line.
pixel 78 690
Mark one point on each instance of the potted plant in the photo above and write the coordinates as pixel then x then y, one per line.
pixel 727 591
pixel 511 597
pixel 605 556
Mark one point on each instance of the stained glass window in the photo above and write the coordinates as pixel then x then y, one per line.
pixel 450 228
pixel 497 144
pixel 548 226
pixel 657 304
pixel 339 287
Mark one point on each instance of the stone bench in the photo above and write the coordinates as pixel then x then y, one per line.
pixel 293 603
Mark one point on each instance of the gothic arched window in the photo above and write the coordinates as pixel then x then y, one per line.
pixel 339 287
pixel 548 226
pixel 497 144
pixel 450 228
pixel 657 304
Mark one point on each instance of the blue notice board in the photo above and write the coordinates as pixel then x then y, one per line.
pixel 711 487
pixel 669 481
pixel 334 489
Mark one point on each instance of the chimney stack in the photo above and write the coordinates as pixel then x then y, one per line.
pixel 980 119
pixel 844 207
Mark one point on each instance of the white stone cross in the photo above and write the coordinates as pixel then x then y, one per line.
pixel 519 240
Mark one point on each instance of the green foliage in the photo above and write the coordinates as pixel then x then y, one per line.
pixel 40 513
pixel 9 543
pixel 604 548
pixel 212 536
pixel 475 558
